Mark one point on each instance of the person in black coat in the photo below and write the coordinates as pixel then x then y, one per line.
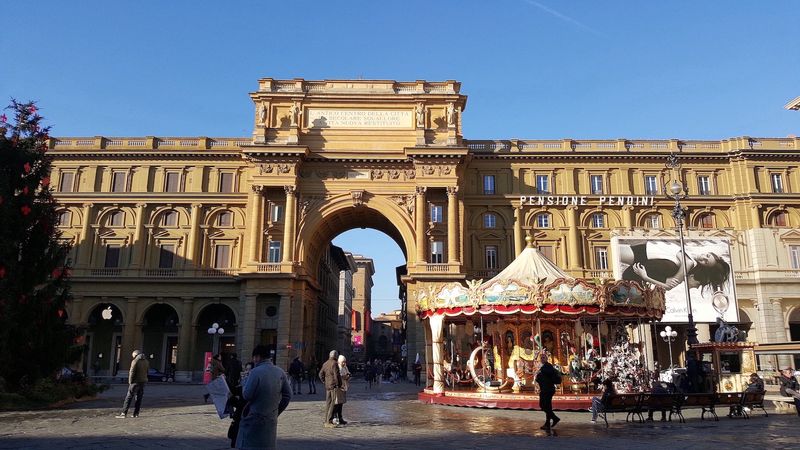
pixel 548 377
pixel 790 387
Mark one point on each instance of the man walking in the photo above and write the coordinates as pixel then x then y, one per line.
pixel 268 394
pixel 548 377
pixel 137 377
pixel 332 379
pixel 296 370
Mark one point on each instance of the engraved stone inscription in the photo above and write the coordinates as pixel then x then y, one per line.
pixel 359 118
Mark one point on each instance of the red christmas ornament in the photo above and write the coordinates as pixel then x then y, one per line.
pixel 3 118
pixel 56 273
pixel 60 313
pixel 46 181
pixel 27 167
pixel 25 210
pixel 25 190
pixel 32 109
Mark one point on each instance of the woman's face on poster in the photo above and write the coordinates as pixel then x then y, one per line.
pixel 706 259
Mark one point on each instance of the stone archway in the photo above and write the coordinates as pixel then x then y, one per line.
pixel 160 327
pixel 103 340
pixel 341 213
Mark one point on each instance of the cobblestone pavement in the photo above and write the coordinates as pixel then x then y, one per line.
pixel 174 416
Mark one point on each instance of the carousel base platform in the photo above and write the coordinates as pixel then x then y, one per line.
pixel 524 401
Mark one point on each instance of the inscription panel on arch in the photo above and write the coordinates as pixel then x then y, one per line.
pixel 319 118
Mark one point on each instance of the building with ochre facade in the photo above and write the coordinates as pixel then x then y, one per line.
pixel 173 234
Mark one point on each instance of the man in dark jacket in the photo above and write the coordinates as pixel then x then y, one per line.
pixel 790 387
pixel 137 377
pixel 332 379
pixel 548 377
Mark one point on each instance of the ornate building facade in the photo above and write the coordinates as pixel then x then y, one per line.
pixel 172 234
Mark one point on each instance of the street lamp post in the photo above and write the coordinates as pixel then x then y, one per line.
pixel 215 331
pixel 668 335
pixel 678 192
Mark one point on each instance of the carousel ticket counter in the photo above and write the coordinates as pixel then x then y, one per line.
pixel 728 363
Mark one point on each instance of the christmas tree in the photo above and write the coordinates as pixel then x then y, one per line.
pixel 34 276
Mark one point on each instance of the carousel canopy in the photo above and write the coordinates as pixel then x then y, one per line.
pixel 531 268
pixel 532 284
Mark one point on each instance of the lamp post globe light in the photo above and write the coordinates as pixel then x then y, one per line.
pixel 215 331
pixel 678 191
pixel 669 335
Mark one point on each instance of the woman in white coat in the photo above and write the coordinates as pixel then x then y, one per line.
pixel 341 393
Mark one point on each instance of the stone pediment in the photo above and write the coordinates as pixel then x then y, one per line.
pixel 791 235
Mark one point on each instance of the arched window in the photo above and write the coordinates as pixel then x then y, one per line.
pixel 489 220
pixel 170 219
pixel 779 219
pixel 543 220
pixel 652 221
pixel 116 219
pixel 706 221
pixel 225 219
pixel 64 218
pixel 598 220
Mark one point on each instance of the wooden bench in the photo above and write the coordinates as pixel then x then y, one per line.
pixel 733 400
pixel 753 400
pixel 706 402
pixel 661 403
pixel 631 404
pixel 782 404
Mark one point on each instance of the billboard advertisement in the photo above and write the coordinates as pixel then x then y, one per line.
pixel 709 272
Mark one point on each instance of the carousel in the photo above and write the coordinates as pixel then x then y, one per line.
pixel 484 340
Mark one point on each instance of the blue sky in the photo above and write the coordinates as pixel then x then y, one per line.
pixel 532 69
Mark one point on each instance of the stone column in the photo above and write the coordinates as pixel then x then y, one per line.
pixel 284 328
pixel 255 201
pixel 130 330
pixel 452 225
pixel 437 352
pixel 139 243
pixel 85 240
pixel 183 371
pixel 419 211
pixel 573 239
pixel 289 225
pixel 627 217
pixel 246 326
pixel 518 217
pixel 777 329
pixel 755 216
pixel 194 232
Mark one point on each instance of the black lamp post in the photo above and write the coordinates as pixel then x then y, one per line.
pixel 678 191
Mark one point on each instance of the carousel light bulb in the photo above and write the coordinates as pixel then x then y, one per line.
pixel 220 330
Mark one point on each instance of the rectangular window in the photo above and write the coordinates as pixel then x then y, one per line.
pixel 64 218
pixel 112 256
pixel 225 219
pixel 491 257
pixel 166 257
pixel 650 185
pixel 547 252
pixel 277 213
pixel 596 182
pixel 653 221
pixel 226 182
pixel 436 213
pixel 171 183
pixel 437 252
pixel 116 219
pixel 222 256
pixel 274 254
pixel 794 256
pixel 703 185
pixel 542 184
pixel 543 220
pixel 601 258
pixel 777 183
pixel 598 220
pixel 118 183
pixel 488 184
pixel 489 220
pixel 67 182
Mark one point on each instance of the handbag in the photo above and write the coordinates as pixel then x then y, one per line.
pixel 339 396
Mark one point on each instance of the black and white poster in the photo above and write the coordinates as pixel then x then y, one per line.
pixel 659 261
